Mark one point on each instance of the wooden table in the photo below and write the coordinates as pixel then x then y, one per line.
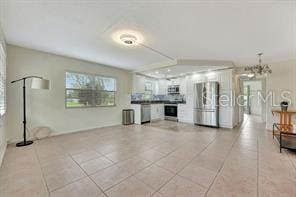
pixel 284 131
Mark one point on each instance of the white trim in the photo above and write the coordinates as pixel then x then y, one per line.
pixel 13 141
pixel 226 126
pixel 2 152
pixel 3 78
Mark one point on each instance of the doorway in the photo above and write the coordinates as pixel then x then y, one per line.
pixel 254 91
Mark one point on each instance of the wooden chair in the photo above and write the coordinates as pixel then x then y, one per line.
pixel 284 131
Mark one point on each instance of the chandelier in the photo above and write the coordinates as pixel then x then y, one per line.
pixel 259 68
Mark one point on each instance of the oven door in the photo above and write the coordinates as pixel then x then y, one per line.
pixel 171 110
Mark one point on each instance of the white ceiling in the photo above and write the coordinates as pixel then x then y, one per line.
pixel 212 30
pixel 182 67
pixel 178 71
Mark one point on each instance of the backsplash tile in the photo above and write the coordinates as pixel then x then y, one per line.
pixel 155 97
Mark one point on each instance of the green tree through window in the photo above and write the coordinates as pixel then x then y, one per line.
pixel 87 90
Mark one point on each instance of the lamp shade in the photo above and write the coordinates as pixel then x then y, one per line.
pixel 40 83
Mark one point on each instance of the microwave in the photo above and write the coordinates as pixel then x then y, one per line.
pixel 173 89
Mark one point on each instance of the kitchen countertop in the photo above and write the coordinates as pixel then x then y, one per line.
pixel 158 102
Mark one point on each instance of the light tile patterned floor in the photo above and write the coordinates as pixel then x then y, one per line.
pixel 161 159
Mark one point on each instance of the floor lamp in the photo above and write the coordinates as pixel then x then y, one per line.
pixel 37 83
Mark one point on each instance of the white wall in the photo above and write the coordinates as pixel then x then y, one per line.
pixel 47 107
pixel 2 119
pixel 283 78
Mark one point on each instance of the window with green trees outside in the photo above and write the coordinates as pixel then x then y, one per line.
pixel 88 90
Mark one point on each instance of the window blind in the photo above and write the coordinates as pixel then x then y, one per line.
pixel 2 80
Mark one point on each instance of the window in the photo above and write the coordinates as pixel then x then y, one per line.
pixel 87 90
pixel 2 80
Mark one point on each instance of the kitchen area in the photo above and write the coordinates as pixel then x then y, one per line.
pixel 151 107
pixel 201 98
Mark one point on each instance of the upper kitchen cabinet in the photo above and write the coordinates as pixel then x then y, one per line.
pixel 175 81
pixel 212 76
pixel 183 85
pixel 150 86
pixel 225 79
pixel 162 87
pixel 142 84
pixel 138 84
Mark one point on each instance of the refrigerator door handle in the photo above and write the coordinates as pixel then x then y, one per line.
pixel 204 96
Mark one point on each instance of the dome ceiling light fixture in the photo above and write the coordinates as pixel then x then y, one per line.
pixel 128 39
pixel 258 68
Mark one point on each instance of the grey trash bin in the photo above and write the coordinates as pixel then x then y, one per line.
pixel 128 116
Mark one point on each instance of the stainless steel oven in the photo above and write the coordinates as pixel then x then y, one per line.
pixel 171 112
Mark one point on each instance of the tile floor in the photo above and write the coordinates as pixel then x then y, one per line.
pixel 160 159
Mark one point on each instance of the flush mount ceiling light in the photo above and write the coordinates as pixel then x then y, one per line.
pixel 134 38
pixel 128 37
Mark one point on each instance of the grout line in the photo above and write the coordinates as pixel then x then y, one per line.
pixel 43 177
pixel 218 172
pixel 86 175
pixel 68 184
pixel 176 174
pixel 197 156
pixel 133 174
pixel 293 164
pixel 227 155
pixel 152 163
pixel 235 139
pixel 90 177
pixel 70 181
pixel 92 160
pixel 258 165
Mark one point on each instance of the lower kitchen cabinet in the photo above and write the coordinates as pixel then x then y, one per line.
pixel 185 113
pixel 157 111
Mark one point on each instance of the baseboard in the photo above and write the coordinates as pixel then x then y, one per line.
pixel 186 121
pixel 65 132
pixel 2 152
pixel 226 126
pixel 82 130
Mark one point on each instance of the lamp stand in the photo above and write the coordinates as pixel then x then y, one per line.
pixel 25 142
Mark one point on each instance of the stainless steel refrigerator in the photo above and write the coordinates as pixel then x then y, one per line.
pixel 206 104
